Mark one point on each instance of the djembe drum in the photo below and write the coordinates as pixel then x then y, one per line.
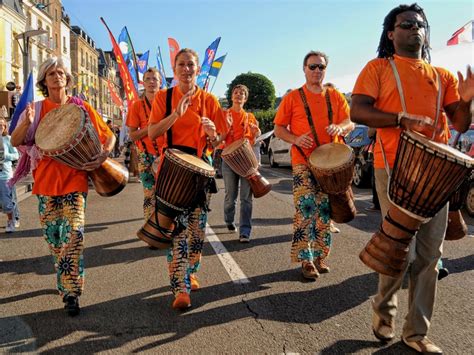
pixel 332 166
pixel 181 185
pixel 240 157
pixel 457 228
pixel 66 134
pixel 424 177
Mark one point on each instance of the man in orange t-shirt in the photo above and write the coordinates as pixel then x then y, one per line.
pixel 194 119
pixel 377 102
pixel 311 227
pixel 61 189
pixel 244 125
pixel 137 122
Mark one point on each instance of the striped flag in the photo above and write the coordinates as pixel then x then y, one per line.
pixel 216 66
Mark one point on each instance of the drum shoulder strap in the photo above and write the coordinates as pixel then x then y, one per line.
pixel 169 133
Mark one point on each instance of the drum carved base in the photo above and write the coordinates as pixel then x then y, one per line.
pixel 342 205
pixel 457 228
pixel 259 185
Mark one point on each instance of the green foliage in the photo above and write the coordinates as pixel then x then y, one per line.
pixel 265 119
pixel 261 91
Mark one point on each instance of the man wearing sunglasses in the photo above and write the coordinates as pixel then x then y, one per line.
pixel 378 101
pixel 309 117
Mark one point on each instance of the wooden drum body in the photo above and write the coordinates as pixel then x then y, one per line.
pixel 67 135
pixel 333 166
pixel 424 177
pixel 457 228
pixel 181 184
pixel 240 157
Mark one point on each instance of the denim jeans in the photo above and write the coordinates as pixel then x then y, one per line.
pixel 231 182
pixel 8 199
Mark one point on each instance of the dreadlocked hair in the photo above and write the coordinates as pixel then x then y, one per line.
pixel 386 48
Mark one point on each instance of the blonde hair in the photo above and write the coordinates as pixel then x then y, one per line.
pixel 5 131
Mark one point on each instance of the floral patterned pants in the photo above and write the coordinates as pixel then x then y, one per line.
pixel 311 233
pixel 147 177
pixel 62 221
pixel 184 257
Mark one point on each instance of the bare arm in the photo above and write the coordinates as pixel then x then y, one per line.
pixel 136 134
pixel 303 141
pixel 460 112
pixel 19 134
pixel 103 155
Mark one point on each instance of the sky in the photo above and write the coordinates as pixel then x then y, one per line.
pixel 270 37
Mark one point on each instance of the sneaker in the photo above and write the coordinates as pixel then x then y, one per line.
pixel 382 330
pixel 10 228
pixel 333 228
pixel 309 270
pixel 182 301
pixel 424 346
pixel 194 282
pixel 72 305
pixel 372 209
pixel 442 273
pixel 231 227
pixel 244 239
pixel 321 265
pixel 17 223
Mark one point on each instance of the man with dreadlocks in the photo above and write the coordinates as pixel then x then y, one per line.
pixel 378 102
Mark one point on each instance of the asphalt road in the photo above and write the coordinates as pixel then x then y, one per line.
pixel 253 300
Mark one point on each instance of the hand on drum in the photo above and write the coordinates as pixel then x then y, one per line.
pixel 466 86
pixel 208 126
pixel 96 161
pixel 417 123
pixel 304 141
pixel 334 130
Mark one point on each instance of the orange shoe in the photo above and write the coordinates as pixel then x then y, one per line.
pixel 182 301
pixel 194 282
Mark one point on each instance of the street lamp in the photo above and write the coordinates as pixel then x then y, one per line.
pixel 25 36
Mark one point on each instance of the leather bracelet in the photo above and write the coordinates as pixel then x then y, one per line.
pixel 399 118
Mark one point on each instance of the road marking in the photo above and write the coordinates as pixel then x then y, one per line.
pixel 236 274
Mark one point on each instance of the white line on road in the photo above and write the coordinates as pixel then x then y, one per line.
pixel 236 274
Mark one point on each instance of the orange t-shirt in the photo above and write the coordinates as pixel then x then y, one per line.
pixel 53 178
pixel 420 88
pixel 292 113
pixel 187 130
pixel 137 117
pixel 240 126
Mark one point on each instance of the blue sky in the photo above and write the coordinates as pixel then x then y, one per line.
pixel 263 36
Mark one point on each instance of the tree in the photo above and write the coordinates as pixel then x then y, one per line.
pixel 261 91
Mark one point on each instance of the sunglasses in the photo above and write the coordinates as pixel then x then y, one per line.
pixel 312 67
pixel 408 24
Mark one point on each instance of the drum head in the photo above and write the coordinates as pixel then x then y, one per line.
pixel 330 156
pixel 441 148
pixel 190 161
pixel 59 127
pixel 232 147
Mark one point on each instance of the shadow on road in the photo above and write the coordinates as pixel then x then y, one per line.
pixel 121 321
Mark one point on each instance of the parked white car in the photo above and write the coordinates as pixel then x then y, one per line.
pixel 279 152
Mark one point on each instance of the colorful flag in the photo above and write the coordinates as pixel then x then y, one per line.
pixel 464 34
pixel 130 90
pixel 143 64
pixel 115 96
pixel 160 68
pixel 206 64
pixel 126 47
pixel 216 66
pixel 174 49
pixel 26 97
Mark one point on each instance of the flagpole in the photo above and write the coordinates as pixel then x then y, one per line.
pixel 162 66
pixel 214 83
pixel 134 55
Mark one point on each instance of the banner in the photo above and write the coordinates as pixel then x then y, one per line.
pixel 26 97
pixel 174 49
pixel 206 64
pixel 464 34
pixel 126 47
pixel 142 65
pixel 115 96
pixel 216 66
pixel 130 90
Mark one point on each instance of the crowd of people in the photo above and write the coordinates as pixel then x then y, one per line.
pixel 399 90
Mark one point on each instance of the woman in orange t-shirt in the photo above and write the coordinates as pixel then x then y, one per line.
pixel 61 190
pixel 244 125
pixel 194 118
pixel 137 122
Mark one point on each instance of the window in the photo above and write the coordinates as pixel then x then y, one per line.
pixel 64 45
pixel 82 57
